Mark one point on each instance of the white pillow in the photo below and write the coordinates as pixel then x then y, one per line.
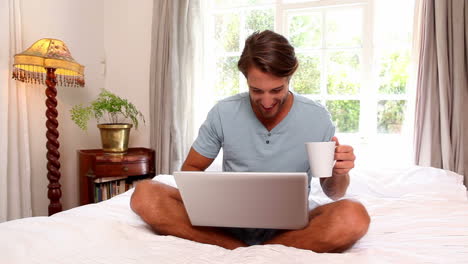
pixel 414 182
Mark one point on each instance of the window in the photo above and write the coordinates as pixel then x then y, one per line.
pixel 354 58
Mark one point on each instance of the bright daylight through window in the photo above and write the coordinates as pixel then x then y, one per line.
pixel 354 58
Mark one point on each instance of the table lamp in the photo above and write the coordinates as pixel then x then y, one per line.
pixel 48 61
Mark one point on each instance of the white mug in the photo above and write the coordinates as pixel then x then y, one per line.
pixel 321 158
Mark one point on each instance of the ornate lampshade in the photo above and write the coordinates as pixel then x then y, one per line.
pixel 48 61
pixel 30 65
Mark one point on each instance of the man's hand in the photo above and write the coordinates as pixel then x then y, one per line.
pixel 335 186
pixel 344 156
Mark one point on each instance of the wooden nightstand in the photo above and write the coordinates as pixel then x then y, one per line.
pixel 104 175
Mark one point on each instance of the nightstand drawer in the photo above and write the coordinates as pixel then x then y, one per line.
pixel 121 169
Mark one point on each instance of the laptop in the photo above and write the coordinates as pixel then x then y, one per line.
pixel 245 199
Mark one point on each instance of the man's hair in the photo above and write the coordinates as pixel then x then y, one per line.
pixel 270 52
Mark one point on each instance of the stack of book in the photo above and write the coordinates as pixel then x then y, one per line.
pixel 108 187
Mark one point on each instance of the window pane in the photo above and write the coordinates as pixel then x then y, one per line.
pixel 259 20
pixel 344 28
pixel 394 71
pixel 305 31
pixel 390 31
pixel 344 76
pixel 306 80
pixel 345 115
pixel 236 3
pixel 390 116
pixel 227 82
pixel 227 32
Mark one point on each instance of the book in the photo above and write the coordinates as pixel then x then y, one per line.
pixel 108 187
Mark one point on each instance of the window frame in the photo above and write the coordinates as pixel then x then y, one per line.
pixel 368 94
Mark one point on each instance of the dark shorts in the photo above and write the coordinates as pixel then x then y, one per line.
pixel 251 236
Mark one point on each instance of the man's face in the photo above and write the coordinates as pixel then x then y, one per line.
pixel 268 93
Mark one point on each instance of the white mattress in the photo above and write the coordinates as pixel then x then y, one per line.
pixel 419 215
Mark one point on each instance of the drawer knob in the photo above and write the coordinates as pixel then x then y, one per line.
pixel 125 168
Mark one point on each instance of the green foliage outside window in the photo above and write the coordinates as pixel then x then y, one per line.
pixel 343 73
pixel 227 31
pixel 345 115
pixel 344 28
pixel 306 31
pixel 394 73
pixel 259 20
pixel 228 77
pixel 390 116
pixel 306 80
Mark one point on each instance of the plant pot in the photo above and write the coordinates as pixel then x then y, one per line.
pixel 114 137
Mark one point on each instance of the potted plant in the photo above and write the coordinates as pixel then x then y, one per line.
pixel 115 117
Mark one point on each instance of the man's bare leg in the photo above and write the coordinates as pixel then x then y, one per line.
pixel 160 206
pixel 333 227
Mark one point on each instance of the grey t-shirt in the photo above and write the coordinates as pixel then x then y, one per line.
pixel 249 146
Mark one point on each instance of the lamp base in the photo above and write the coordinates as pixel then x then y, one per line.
pixel 53 165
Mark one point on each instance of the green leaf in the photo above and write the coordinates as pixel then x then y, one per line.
pixel 109 107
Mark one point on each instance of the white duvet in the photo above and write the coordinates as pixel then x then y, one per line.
pixel 419 215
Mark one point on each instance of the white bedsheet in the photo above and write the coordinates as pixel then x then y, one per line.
pixel 419 215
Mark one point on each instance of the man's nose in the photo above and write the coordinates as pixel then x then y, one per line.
pixel 267 101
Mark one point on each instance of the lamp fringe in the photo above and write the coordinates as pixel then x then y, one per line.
pixel 33 75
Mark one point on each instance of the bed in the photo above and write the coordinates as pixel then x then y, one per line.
pixel 419 215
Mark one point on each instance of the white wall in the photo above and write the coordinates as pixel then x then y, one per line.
pixel 116 57
pixel 127 41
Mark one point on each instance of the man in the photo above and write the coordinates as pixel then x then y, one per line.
pixel 263 130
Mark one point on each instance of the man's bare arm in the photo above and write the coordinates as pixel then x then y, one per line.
pixel 196 161
pixel 335 187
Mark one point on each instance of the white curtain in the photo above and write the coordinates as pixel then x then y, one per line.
pixel 441 126
pixel 15 168
pixel 174 73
